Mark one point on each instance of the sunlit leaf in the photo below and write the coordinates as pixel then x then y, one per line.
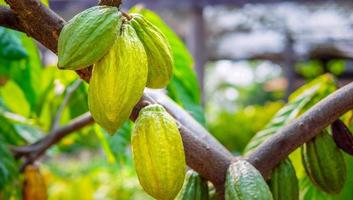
pixel 14 98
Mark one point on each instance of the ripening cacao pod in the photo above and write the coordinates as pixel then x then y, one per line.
pixel 342 136
pixel 159 54
pixel 284 183
pixel 34 185
pixel 244 182
pixel 88 36
pixel 118 81
pixel 158 153
pixel 324 163
pixel 194 188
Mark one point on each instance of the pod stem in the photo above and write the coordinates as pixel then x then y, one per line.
pixel 125 14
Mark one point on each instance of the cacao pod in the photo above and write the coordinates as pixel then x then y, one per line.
pixel 118 81
pixel 194 188
pixel 324 163
pixel 244 182
pixel 34 185
pixel 88 37
pixel 158 50
pixel 342 136
pixel 158 153
pixel 284 183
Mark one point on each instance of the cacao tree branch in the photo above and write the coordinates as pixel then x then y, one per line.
pixel 34 151
pixel 286 140
pixel 9 19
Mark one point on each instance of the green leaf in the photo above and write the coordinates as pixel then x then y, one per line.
pixel 25 72
pixel 30 134
pixel 286 114
pixel 115 146
pixel 14 99
pixel 184 87
pixel 10 45
pixel 8 169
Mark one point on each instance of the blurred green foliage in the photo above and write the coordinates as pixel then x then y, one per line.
pixel 235 130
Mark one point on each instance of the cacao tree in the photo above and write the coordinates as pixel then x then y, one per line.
pixel 117 54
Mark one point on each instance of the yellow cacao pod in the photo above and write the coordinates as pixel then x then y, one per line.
pixel 34 187
pixel 159 54
pixel 118 81
pixel 158 153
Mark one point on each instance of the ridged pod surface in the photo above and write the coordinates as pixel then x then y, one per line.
pixel 34 186
pixel 244 182
pixel 194 188
pixel 158 153
pixel 118 81
pixel 159 54
pixel 284 183
pixel 324 163
pixel 88 37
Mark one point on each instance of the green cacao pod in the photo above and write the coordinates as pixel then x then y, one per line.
pixel 159 54
pixel 194 188
pixel 324 163
pixel 88 36
pixel 118 81
pixel 244 182
pixel 158 153
pixel 284 183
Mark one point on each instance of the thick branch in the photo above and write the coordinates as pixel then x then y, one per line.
pixel 293 135
pixel 40 23
pixel 9 19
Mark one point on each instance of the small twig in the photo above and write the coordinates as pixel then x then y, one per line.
pixel 69 92
pixel 33 152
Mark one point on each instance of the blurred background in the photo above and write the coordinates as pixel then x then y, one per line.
pixel 248 57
